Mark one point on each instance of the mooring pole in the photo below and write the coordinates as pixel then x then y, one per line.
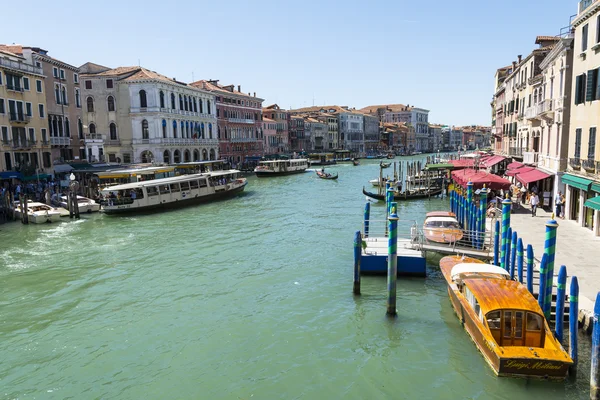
pixel 482 216
pixel 392 260
pixel 530 268
pixel 520 260
pixel 367 217
pixel 505 225
pixel 497 244
pixel 595 370
pixel 573 323
pixel 357 258
pixel 561 288
pixel 513 255
pixel 542 284
pixel 550 249
pixel 508 242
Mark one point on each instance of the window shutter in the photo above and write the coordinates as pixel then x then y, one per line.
pixel 577 89
pixel 591 86
pixel 597 97
pixel 592 144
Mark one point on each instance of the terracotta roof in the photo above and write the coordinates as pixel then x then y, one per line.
pixel 144 73
pixel 214 86
pixel 388 107
pixel 540 39
pixel 544 49
pixel 118 71
pixel 10 53
pixel 337 109
pixel 16 49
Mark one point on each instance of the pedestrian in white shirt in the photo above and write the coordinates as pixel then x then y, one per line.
pixel 534 200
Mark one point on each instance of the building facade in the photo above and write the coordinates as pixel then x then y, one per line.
pixel 239 116
pixel 25 145
pixel 281 118
pixel 269 129
pixel 372 134
pixel 299 141
pixel 317 131
pixel 582 178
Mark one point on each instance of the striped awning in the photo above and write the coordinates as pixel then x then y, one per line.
pixel 576 181
pixel 593 203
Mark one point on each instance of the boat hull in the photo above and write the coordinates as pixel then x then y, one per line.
pixel 402 196
pixel 442 235
pixel 266 174
pixel 128 209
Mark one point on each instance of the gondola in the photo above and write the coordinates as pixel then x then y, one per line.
pixel 356 162
pixel 323 175
pixel 391 156
pixel 385 164
pixel 410 195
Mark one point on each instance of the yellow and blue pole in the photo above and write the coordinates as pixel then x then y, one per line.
pixel 367 218
pixel 520 260
pixel 530 268
pixel 357 257
pixel 392 260
pixel 595 374
pixel 505 225
pixel 573 323
pixel 561 289
pixel 542 287
pixel 497 244
pixel 550 249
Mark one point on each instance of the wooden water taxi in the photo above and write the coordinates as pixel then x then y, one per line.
pixel 84 204
pixel 281 167
pixel 442 227
pixel 504 320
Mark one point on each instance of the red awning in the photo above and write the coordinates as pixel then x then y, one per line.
pixel 514 165
pixel 532 176
pixel 479 179
pixel 462 163
pixel 517 171
pixel 490 162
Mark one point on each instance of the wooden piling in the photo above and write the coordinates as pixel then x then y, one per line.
pixel 367 218
pixel 392 260
pixel 508 248
pixel 357 259
pixel 542 285
pixel 573 323
pixel 559 317
pixel 550 249
pixel 505 225
pixel 513 255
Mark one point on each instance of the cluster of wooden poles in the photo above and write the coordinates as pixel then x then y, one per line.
pixel 471 217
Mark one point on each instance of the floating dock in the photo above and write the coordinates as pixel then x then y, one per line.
pixel 374 259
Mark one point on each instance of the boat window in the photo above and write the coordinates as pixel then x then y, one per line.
pixel 194 184
pixel 164 189
pixel 534 322
pixel 152 190
pixel 507 324
pixel 202 182
pixel 174 187
pixel 185 185
pixel 493 319
pixel 519 324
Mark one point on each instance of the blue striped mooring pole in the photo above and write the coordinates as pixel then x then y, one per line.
pixel 542 285
pixel 513 255
pixel 367 218
pixel 508 242
pixel 530 268
pixel 505 225
pixel 469 199
pixel 482 215
pixel 357 257
pixel 392 275
pixel 561 289
pixel 595 373
pixel 550 249
pixel 573 323
pixel 497 244
pixel 520 260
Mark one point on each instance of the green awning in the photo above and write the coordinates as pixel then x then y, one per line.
pixel 576 181
pixel 596 187
pixel 593 202
pixel 439 166
pixel 35 177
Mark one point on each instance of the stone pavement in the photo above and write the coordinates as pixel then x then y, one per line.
pixel 576 248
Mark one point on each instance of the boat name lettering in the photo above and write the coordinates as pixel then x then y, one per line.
pixel 519 365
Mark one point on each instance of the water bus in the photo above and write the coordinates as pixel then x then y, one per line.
pixel 504 320
pixel 172 192
pixel 281 167
pixel 322 159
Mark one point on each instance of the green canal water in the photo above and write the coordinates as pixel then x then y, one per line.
pixel 249 298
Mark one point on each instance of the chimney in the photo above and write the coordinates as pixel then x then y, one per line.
pixel 514 63
pixel 239 88
pixel 254 94
pixel 175 79
pixel 519 58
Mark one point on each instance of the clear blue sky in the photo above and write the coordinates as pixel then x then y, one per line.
pixel 439 55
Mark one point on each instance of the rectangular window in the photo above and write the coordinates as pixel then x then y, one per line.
pixel 62 74
pixel 109 83
pixel 2 107
pixel 5 134
pixel 577 143
pixel 0 78
pixel 38 86
pixel 598 29
pixel 88 84
pixel 584 38
pixel 32 134
pixel 44 136
pixel 55 72
pixel 592 144
pixel 127 158
pixel 25 83
pixel 152 191
pixel 41 111
pixel 28 109
pixel 590 93
pixel 194 184
pixel 76 78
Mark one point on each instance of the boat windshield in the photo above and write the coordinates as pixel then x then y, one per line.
pixel 442 224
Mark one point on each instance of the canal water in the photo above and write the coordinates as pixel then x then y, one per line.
pixel 249 298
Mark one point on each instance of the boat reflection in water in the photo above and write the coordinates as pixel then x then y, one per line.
pixel 504 320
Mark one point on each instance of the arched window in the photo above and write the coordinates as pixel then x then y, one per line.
pixel 57 93
pixel 77 98
pixel 180 102
pixel 202 130
pixel 143 99
pixel 173 101
pixel 175 129
pixel 218 132
pixel 210 131
pixel 113 131
pixel 64 96
pixel 186 156
pixel 190 103
pixel 111 103
pixel 164 128
pixel 195 104
pixel 90 104
pixel 196 155
pixel 204 155
pixel 201 105
pixel 167 157
pixel 92 128
pixel 208 107
pixel 212 154
pixel 185 103
pixel 176 157
pixel 79 128
pixel 145 130
pixel 162 99
pixel 67 128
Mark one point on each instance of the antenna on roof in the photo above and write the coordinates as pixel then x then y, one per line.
pixel 139 63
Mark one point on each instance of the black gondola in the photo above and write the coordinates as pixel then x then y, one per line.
pixel 355 162
pixel 385 164
pixel 323 175
pixel 411 195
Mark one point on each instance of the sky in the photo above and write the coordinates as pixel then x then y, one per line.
pixel 434 54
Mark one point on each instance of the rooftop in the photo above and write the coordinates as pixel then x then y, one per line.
pixel 213 86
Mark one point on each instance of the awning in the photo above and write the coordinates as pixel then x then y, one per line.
pixel 62 168
pixel 479 179
pixel 35 177
pixel 490 162
pixel 517 171
pixel 439 166
pixel 532 176
pixel 596 187
pixel 10 175
pixel 576 181
pixel 593 203
pixel 514 165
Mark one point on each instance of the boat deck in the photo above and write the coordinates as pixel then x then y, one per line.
pixel 374 259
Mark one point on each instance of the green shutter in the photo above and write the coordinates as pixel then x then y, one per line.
pixel 577 89
pixel 597 97
pixel 591 87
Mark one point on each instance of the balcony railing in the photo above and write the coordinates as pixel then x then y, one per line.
pixel 244 140
pixel 531 112
pixel 589 165
pixel 19 117
pixel 23 144
pixel 530 157
pixel 241 120
pixel 176 141
pixel 6 142
pixel 16 65
pixel 60 141
pixel 552 163
pixel 583 4
pixel 515 151
pixel 94 136
pixel 575 162
pixel 115 142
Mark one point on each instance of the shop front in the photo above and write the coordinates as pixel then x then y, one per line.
pixel 583 201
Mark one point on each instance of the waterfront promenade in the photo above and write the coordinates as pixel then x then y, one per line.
pixel 576 248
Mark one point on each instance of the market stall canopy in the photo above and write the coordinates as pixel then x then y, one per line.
pixel 491 161
pixel 514 165
pixel 479 179
pixel 439 166
pixel 62 168
pixel 462 163
pixel 10 175
pixel 531 176
pixel 514 172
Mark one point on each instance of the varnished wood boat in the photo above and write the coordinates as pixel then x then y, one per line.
pixel 406 195
pixel 504 320
pixel 324 175
pixel 442 227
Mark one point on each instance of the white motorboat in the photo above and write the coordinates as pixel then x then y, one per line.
pixel 38 213
pixel 85 205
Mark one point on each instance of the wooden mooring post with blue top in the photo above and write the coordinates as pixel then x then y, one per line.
pixel 513 254
pixel 357 257
pixel 530 268
pixel 559 317
pixel 520 260
pixel 392 276
pixel 367 217
pixel 507 256
pixel 595 370
pixel 505 225
pixel 497 244
pixel 573 323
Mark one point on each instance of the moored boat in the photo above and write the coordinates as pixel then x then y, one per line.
pixel 407 194
pixel 384 164
pixel 85 205
pixel 355 162
pixel 38 213
pixel 504 320
pixel 281 167
pixel 173 192
pixel 442 227
pixel 325 175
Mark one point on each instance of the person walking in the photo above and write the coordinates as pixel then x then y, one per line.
pixel 534 200
pixel 563 200
pixel 558 203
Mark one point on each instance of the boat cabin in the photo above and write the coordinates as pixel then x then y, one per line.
pixel 506 307
pixel 283 165
pixel 442 222
pixel 124 176
pixel 199 167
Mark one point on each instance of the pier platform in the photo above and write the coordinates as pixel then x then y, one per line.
pixel 374 259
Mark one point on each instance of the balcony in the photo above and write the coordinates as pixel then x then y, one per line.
pixel 559 103
pixel 116 143
pixel 575 163
pixel 530 157
pixel 6 142
pixel 515 151
pixel 552 163
pixel 60 141
pixel 584 4
pixel 19 118
pixel 176 141
pixel 133 110
pixel 23 144
pixel 241 120
pixel 244 140
pixel 531 112
pixel 589 165
pixel 93 138
pixel 15 88
pixel 19 66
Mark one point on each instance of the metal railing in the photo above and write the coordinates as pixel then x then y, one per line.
pixel 94 136
pixel 20 66
pixel 515 151
pixel 18 144
pixel 575 162
pixel 589 164
pixel 176 141
pixel 584 4
pixel 241 120
pixel 19 117
pixel 60 141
